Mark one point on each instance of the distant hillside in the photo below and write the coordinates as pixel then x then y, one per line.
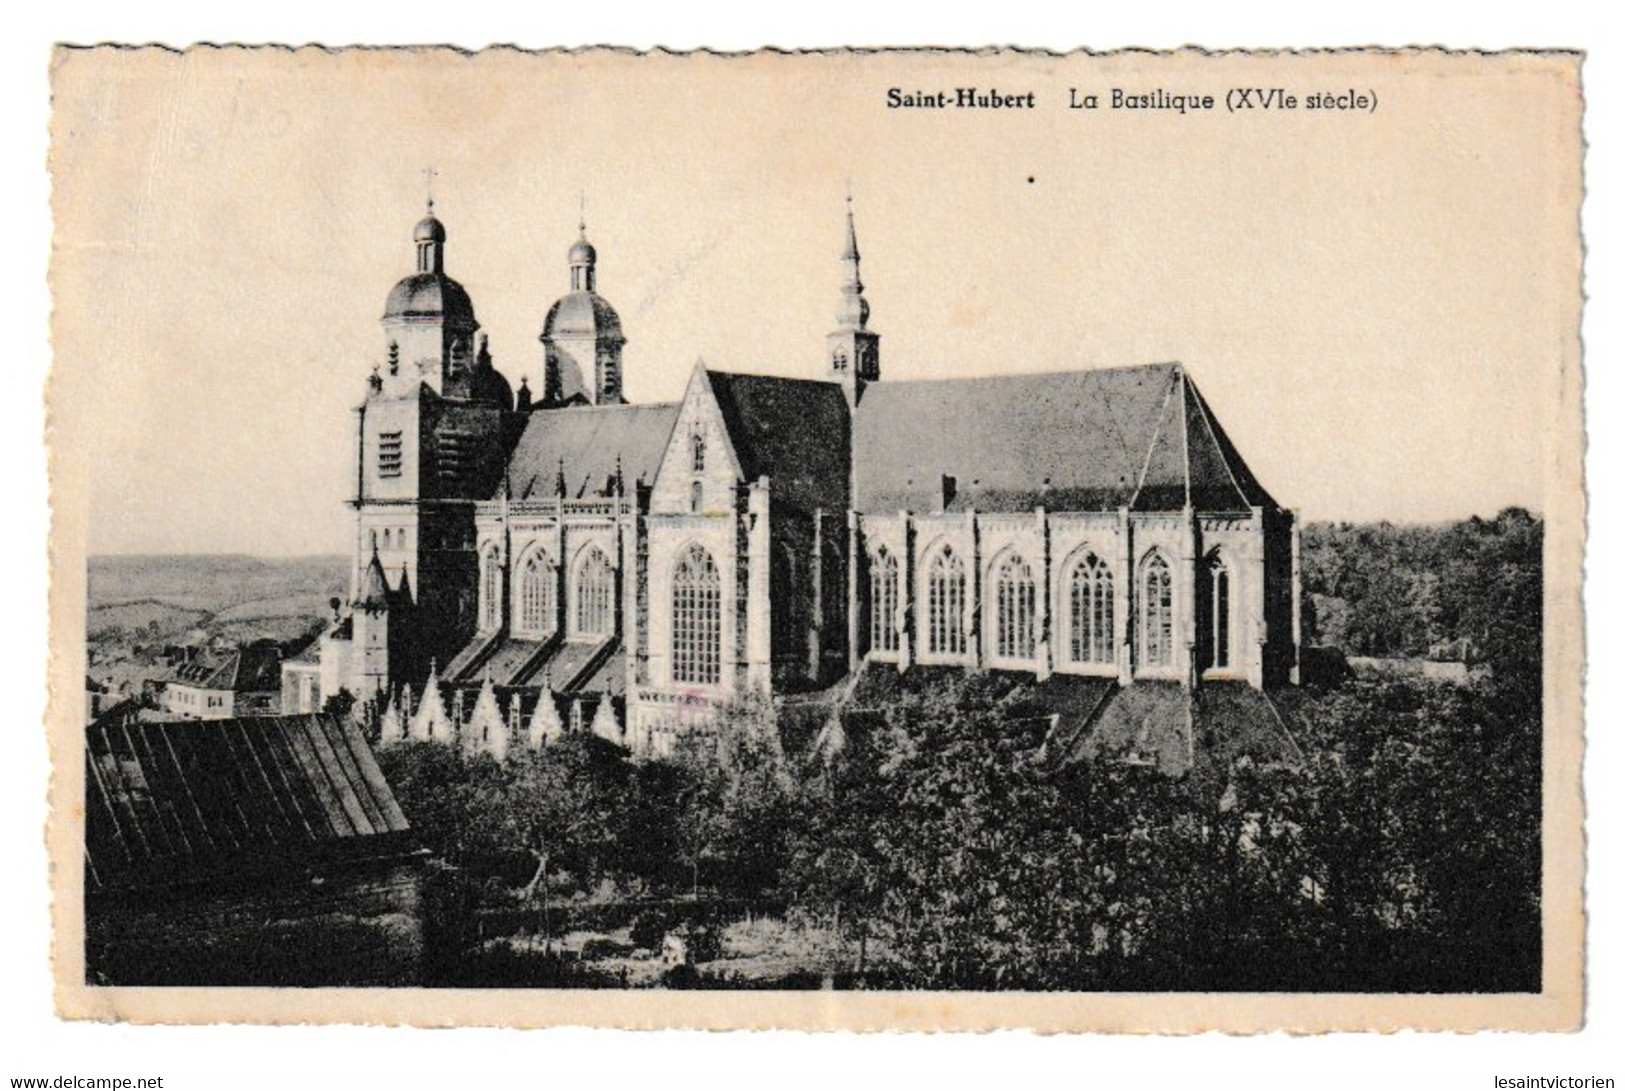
pixel 162 597
pixel 211 582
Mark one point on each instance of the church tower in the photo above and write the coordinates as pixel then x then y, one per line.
pixel 582 338
pixel 429 445
pixel 428 322
pixel 853 349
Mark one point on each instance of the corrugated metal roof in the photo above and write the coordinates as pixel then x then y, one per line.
pixel 175 802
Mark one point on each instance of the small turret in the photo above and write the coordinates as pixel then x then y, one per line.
pixel 853 348
pixel 581 337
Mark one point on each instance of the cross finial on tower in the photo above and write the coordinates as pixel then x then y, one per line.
pixel 429 174
pixel 582 205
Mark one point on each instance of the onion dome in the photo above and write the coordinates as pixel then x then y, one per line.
pixel 583 312
pixel 429 293
pixel 429 229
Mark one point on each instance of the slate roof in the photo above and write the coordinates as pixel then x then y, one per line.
pixel 588 439
pixel 1141 437
pixel 796 431
pixel 1180 730
pixel 170 803
pixel 254 668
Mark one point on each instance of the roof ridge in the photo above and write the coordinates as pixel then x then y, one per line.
pixel 581 410
pixel 1058 373
pixel 1151 449
pixel 717 373
pixel 1207 423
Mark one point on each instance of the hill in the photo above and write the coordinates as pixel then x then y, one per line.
pixel 138 604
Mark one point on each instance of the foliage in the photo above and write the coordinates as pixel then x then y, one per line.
pixel 1386 590
pixel 1402 853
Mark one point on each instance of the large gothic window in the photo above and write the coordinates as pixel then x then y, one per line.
pixel 1016 624
pixel 594 595
pixel 883 602
pixel 490 590
pixel 1157 612
pixel 1219 612
pixel 1090 616
pixel 696 619
pixel 945 604
pixel 537 610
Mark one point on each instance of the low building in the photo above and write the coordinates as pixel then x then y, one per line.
pixel 245 851
pixel 243 681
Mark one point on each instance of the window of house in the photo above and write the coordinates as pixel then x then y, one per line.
pixel 1091 605
pixel 1017 609
pixel 594 595
pixel 883 636
pixel 537 611
pixel 1157 612
pixel 696 619
pixel 389 454
pixel 945 602
pixel 490 590
pixel 696 497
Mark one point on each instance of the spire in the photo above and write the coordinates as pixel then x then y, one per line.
pixel 583 258
pixel 854 310
pixel 853 348
pixel 375 587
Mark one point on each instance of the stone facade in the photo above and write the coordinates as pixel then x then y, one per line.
pixel 578 563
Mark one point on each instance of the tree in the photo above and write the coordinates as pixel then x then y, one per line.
pixel 561 803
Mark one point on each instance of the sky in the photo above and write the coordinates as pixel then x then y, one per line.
pixel 1376 305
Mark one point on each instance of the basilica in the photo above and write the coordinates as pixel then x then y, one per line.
pixel 535 561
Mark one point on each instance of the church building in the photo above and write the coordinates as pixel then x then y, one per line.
pixel 531 562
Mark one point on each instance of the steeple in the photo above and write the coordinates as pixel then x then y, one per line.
pixel 854 311
pixel 581 337
pixel 853 348
pixel 583 258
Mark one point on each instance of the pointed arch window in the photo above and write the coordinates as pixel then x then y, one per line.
pixel 883 636
pixel 594 595
pixel 538 610
pixel 1091 607
pixel 945 604
pixel 1156 612
pixel 490 590
pixel 696 619
pixel 1016 598
pixel 1219 602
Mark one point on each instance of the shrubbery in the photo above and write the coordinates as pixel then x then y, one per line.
pixel 1404 854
